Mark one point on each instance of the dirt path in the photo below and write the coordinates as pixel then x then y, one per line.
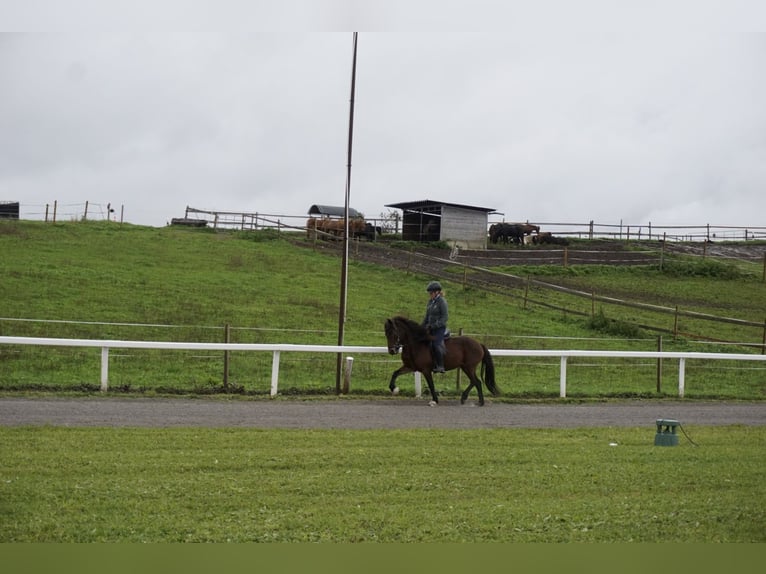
pixel 399 413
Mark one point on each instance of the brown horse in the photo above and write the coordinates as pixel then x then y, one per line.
pixel 415 344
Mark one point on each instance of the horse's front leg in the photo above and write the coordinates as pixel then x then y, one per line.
pixel 430 381
pixel 392 384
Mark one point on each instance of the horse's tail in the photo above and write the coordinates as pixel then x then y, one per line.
pixel 488 371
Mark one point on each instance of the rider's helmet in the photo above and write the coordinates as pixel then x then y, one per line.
pixel 434 286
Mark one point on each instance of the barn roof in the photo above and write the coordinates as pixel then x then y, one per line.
pixel 333 210
pixel 426 204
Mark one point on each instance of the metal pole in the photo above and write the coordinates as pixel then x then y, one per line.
pixel 344 265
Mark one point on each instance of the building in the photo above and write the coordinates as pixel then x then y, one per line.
pixel 455 224
pixel 9 209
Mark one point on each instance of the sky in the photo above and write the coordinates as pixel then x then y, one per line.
pixel 634 113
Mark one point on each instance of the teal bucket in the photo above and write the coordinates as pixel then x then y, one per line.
pixel 666 433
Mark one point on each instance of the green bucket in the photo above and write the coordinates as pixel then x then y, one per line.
pixel 666 433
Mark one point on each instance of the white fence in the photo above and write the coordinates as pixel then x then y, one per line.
pixel 276 349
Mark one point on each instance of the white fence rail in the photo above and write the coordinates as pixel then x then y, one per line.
pixel 276 349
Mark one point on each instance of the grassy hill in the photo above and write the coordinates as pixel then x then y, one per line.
pixel 103 280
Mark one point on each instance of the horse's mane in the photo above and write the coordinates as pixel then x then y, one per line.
pixel 418 331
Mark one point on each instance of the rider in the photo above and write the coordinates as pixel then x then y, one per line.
pixel 435 323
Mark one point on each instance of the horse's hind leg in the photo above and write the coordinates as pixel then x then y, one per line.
pixel 464 395
pixel 475 382
pixel 480 391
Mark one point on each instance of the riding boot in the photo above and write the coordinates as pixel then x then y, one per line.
pixel 439 352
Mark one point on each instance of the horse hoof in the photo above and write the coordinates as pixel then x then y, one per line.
pixel 432 404
pixel 395 391
pixel 462 401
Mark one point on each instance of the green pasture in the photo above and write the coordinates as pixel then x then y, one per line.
pixel 102 280
pixel 499 485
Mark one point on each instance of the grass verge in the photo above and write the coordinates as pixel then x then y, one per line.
pixel 498 485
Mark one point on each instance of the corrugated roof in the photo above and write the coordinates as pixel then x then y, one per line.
pixel 333 210
pixel 428 204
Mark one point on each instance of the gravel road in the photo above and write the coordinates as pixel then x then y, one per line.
pixel 351 413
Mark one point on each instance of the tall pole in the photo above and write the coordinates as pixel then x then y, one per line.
pixel 344 265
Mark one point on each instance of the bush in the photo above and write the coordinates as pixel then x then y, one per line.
pixel 701 268
pixel 603 324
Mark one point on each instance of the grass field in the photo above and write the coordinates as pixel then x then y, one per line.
pixel 501 485
pixel 105 281
pixel 101 280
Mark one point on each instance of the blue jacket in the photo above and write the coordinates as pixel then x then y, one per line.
pixel 437 314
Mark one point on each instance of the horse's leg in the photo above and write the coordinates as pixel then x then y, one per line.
pixel 392 384
pixel 430 381
pixel 479 389
pixel 464 395
pixel 475 382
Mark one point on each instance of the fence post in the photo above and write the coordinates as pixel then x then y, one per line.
pixel 563 377
pixel 85 215
pixel 104 369
pixel 274 373
pixel 681 376
pixel 457 379
pixel 226 339
pixel 592 303
pixel 526 293
pixel 347 375
pixel 659 364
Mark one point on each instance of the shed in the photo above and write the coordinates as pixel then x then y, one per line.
pixel 333 211
pixel 456 224
pixel 9 209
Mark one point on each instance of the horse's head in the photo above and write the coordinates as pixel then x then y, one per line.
pixel 392 337
pixel 403 332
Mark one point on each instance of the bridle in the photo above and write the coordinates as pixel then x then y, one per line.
pixel 397 340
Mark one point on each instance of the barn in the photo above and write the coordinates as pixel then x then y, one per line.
pixel 461 225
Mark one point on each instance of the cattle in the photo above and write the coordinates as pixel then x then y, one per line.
pixel 511 232
pixel 546 238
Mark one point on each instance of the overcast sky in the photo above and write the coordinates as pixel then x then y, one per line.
pixel 636 116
